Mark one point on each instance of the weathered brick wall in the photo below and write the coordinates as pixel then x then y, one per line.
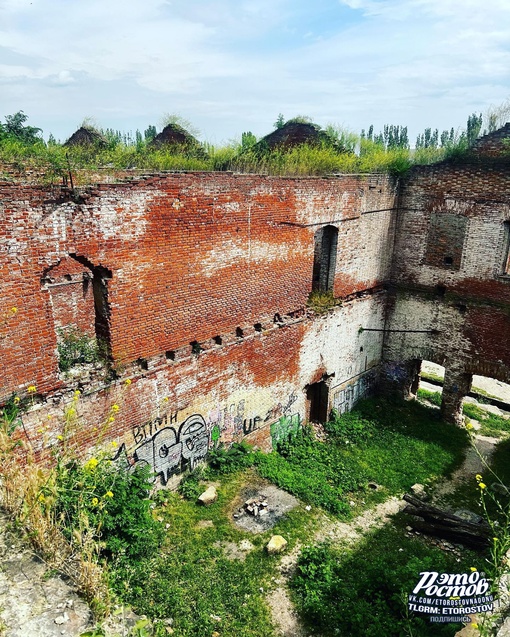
pixel 451 300
pixel 180 258
pixel 253 389
pixel 221 261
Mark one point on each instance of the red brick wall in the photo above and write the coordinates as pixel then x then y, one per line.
pixel 191 256
pixel 458 210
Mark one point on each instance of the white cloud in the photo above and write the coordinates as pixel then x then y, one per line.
pixel 232 65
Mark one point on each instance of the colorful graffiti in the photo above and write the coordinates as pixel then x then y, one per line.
pixel 283 428
pixel 169 451
pixel 346 395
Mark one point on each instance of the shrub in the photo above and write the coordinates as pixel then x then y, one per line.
pixel 112 503
pixel 75 347
pixel 227 460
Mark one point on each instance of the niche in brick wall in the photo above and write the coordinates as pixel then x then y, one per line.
pixel 78 294
pixel 506 249
pixel 324 262
pixel 445 240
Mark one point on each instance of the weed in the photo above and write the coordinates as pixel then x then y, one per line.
pixel 227 460
pixel 321 301
pixel 360 592
pixel 75 348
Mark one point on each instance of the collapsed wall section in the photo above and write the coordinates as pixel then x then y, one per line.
pixel 451 297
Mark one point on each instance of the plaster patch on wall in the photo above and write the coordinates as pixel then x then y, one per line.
pixel 230 253
pixel 128 221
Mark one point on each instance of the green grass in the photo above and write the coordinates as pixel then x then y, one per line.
pixel 192 578
pixel 433 397
pixel 491 424
pixel 394 444
pixel 433 377
pixel 361 592
pixel 53 162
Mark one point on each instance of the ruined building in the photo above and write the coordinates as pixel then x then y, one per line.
pixel 196 286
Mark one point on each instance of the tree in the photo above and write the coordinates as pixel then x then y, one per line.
pixel 280 121
pixel 248 140
pixel 14 128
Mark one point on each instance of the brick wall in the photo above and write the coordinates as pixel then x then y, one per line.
pixel 451 298
pixel 199 282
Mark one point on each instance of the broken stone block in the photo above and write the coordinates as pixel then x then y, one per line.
pixel 276 544
pixel 209 496
pixel 418 490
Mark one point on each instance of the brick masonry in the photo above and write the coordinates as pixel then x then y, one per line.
pixel 198 285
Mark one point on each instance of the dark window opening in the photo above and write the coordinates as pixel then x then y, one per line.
pixel 258 327
pixel 170 355
pixel 462 308
pixel 324 262
pixel 239 332
pixel 506 261
pixel 448 260
pixel 218 340
pixel 318 401
pixel 440 290
pixel 143 364
pixel 196 348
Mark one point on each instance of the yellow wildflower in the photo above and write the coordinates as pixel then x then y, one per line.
pixel 469 426
pixel 31 389
pixel 114 443
pixel 41 497
pixel 495 539
pixel 166 399
pixel 91 464
pixel 473 568
pixel 14 310
pixel 474 625
pixel 111 419
pixel 482 486
pixel 478 477
pixel 108 494
pixel 16 400
pixel 115 408
pixel 95 502
pixel 39 431
pixel 77 393
pixel 71 412
pixel 59 437
pixel 127 382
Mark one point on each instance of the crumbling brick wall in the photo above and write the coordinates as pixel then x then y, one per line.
pixel 199 284
pixel 451 298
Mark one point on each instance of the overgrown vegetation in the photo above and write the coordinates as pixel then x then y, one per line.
pixel 321 301
pixel 391 444
pixel 363 592
pixel 169 558
pixel 75 348
pixel 490 424
pixel 23 149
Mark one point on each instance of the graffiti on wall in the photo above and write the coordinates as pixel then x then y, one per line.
pixel 283 428
pixel 170 451
pixel 346 395
pixel 169 448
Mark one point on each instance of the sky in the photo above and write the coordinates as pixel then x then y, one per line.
pixel 229 66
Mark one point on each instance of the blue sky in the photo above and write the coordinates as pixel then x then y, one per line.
pixel 230 66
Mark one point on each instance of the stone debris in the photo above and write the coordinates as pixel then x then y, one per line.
pixel 209 496
pixel 276 544
pixel 418 490
pixel 256 506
